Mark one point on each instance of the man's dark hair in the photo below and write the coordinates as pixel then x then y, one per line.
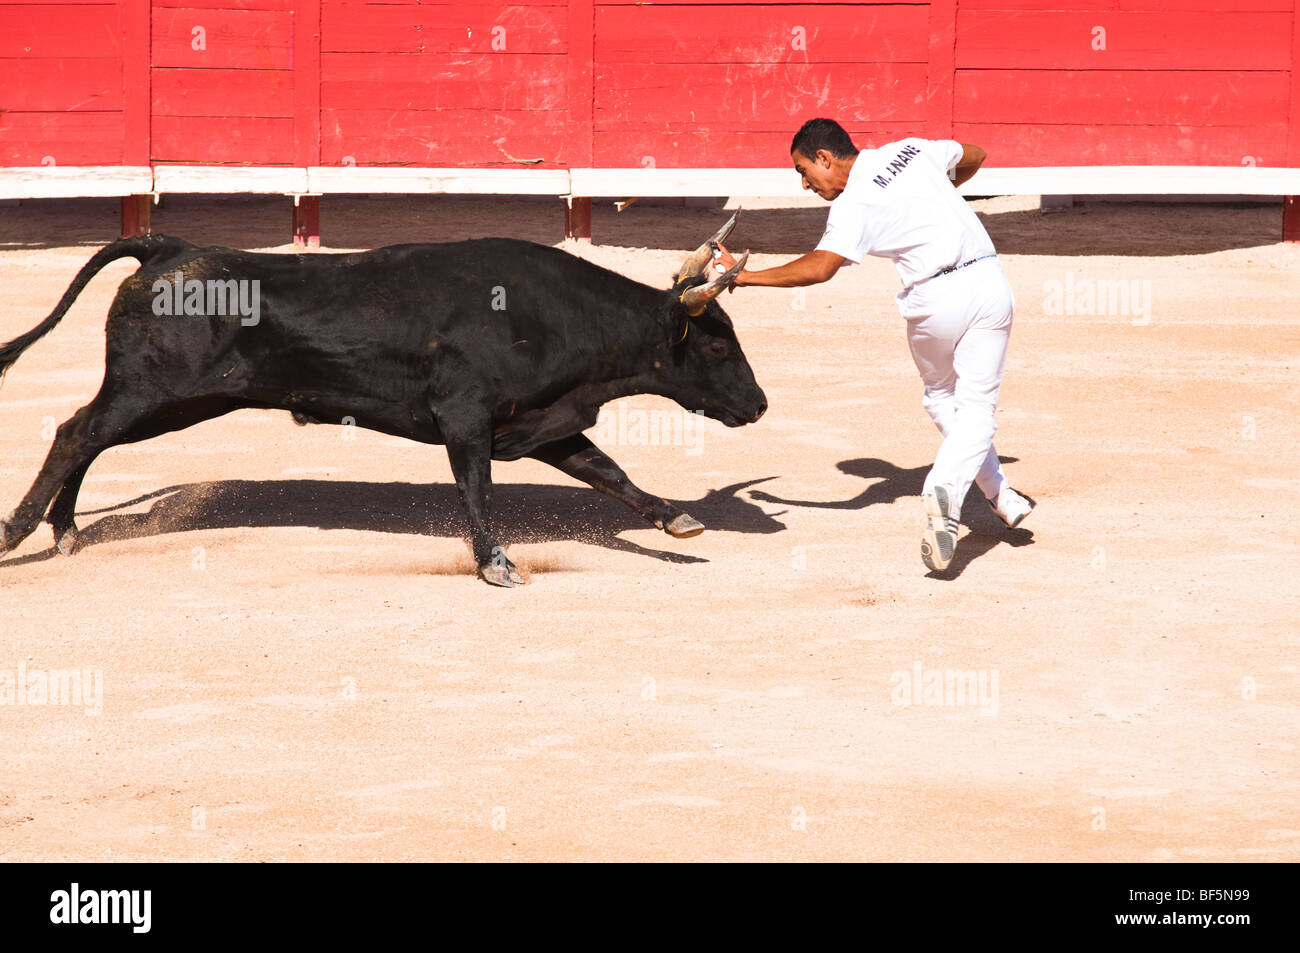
pixel 823 134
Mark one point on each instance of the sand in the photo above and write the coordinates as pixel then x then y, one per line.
pixel 297 662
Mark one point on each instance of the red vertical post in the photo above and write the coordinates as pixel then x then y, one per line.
pixel 135 215
pixel 1291 206
pixel 137 105
pixel 577 217
pixel 581 102
pixel 306 115
pixel 306 221
pixel 942 70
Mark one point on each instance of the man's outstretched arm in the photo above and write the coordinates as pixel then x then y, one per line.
pixel 810 269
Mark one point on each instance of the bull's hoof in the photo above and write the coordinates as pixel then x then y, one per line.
pixel 502 572
pixel 684 526
pixel 66 540
pixel 4 538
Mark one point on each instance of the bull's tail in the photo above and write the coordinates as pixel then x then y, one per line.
pixel 144 248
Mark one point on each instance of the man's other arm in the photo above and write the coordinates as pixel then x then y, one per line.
pixel 972 157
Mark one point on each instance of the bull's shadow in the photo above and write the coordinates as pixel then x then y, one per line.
pixel 893 482
pixel 523 513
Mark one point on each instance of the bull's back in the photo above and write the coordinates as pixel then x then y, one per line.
pixel 389 325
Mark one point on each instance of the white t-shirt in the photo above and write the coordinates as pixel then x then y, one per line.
pixel 900 204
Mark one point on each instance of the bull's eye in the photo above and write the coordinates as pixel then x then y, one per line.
pixel 719 349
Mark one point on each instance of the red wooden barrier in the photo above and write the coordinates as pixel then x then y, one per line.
pixel 577 83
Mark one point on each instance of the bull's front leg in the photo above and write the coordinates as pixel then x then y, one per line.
pixel 468 434
pixel 583 460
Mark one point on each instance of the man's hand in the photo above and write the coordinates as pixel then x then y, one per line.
pixel 727 261
pixel 810 269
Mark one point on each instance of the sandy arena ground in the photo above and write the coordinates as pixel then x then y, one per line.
pixel 297 662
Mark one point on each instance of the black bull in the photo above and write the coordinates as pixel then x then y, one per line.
pixel 499 349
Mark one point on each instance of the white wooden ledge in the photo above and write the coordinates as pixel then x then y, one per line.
pixel 70 181
pixel 400 180
pixel 1082 180
pixel 1135 180
pixel 229 180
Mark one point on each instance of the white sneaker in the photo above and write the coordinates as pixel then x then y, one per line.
pixel 940 536
pixel 1011 507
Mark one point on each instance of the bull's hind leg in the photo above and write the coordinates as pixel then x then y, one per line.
pixel 176 418
pixel 80 438
pixel 583 460
pixel 63 510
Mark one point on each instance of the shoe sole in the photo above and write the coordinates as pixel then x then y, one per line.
pixel 937 544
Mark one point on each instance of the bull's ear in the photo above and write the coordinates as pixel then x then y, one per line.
pixel 679 328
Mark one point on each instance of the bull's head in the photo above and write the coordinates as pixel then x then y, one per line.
pixel 709 372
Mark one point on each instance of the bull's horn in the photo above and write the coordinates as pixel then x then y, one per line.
pixel 697 298
pixel 696 260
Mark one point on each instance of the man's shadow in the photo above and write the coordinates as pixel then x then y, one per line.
pixel 893 483
pixel 523 513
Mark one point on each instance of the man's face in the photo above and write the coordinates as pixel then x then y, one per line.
pixel 816 173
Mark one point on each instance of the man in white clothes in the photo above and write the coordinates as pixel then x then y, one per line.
pixel 900 202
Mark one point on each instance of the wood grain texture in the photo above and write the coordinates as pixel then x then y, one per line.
pixel 1133 40
pixel 231 39
pixel 761 33
pixel 1024 144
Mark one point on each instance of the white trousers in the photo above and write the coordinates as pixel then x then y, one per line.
pixel 958 326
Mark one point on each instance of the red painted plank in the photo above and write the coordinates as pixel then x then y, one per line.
pixel 306 96
pixel 866 92
pixel 242 140
pixel 1230 6
pixel 763 33
pixel 226 4
pixel 411 4
pixel 941 69
pixel 442 81
pixel 467 28
pixel 136 82
pixel 452 137
pixel 677 146
pixel 62 138
pixel 581 89
pixel 1057 40
pixel 230 39
pixel 79 85
pixel 1044 145
pixel 794 3
pixel 1122 97
pixel 1293 141
pixel 56 30
pixel 223 92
